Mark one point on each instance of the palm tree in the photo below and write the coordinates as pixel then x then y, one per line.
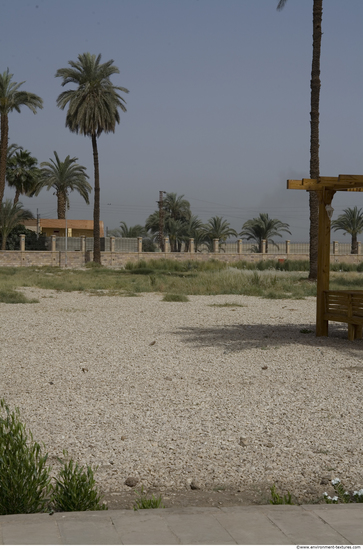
pixel 218 228
pixel 11 215
pixel 22 173
pixel 314 132
pixel 92 109
pixel 64 177
pixel 11 99
pixel 263 228
pixel 177 207
pixel 352 223
pixel 130 232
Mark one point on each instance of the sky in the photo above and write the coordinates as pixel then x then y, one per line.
pixel 218 108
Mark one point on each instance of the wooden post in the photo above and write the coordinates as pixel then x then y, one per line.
pixel 325 197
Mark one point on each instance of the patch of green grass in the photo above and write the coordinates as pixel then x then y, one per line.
pixel 227 304
pixel 8 296
pixel 278 499
pixel 175 298
pixel 144 503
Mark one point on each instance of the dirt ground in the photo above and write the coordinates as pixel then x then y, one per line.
pixel 218 496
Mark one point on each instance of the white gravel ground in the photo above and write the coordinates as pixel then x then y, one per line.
pixel 164 392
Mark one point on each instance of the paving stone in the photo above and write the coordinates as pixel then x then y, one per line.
pixel 141 528
pixel 303 526
pixel 346 519
pixel 15 532
pixel 250 526
pixel 87 530
pixel 198 529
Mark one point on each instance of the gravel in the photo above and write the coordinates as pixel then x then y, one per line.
pixel 174 394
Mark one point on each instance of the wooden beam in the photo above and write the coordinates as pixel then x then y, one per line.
pixel 336 184
pixel 325 197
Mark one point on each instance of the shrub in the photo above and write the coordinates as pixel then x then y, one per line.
pixel 341 495
pixel 24 477
pixel 75 490
pixel 278 499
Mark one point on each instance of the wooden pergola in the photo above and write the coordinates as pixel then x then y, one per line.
pixel 342 306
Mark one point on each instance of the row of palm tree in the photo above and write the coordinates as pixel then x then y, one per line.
pixel 24 175
pixel 92 108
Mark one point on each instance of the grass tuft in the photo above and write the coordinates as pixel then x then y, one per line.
pixel 175 298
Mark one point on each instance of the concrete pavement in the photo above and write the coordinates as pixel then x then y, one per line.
pixel 334 524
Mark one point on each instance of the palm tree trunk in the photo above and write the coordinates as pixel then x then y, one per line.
pixel 314 136
pixel 61 205
pixel 96 208
pixel 354 249
pixel 3 152
pixel 17 195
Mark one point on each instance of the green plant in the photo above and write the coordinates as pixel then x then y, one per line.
pixel 278 499
pixel 24 476
pixel 175 298
pixel 305 331
pixel 75 490
pixel 341 495
pixel 144 503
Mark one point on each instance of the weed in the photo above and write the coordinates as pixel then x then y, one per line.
pixel 305 331
pixel 175 298
pixel 9 296
pixel 277 499
pixel 144 503
pixel 24 478
pixel 74 489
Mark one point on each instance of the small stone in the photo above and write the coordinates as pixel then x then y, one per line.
pixel 194 485
pixel 123 437
pixel 131 481
pixel 264 368
pixel 243 441
pixel 152 343
pixel 168 378
pixel 84 369
pixel 51 383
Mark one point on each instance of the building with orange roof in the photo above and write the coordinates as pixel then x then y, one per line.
pixel 75 228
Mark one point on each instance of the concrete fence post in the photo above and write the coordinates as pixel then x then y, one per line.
pixel 263 242
pixel 335 247
pixel 359 248
pixel 139 244
pixel 166 244
pixel 239 246
pixel 287 247
pixel 53 243
pixel 22 242
pixel 83 244
pixel 215 246
pixel 191 246
pixel 112 244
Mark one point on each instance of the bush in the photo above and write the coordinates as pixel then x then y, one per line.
pixel 24 477
pixel 175 298
pixel 143 503
pixel 74 489
pixel 31 240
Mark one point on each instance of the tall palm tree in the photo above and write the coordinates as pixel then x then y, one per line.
pixel 11 215
pixel 11 99
pixel 92 109
pixel 22 173
pixel 314 132
pixel 64 176
pixel 263 228
pixel 218 228
pixel 352 223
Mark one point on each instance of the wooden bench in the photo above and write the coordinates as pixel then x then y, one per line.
pixel 345 306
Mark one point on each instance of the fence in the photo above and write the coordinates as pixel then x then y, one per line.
pixel 108 244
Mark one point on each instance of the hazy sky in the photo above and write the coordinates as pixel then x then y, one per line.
pixel 219 102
